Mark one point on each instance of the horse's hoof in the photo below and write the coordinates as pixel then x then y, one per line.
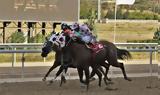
pixel 60 84
pixel 111 89
pixel 51 81
pixel 63 79
pixel 92 79
pixel 109 79
pixel 128 79
pixel 83 85
pixel 105 81
pixel 44 79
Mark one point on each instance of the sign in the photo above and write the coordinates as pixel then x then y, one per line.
pixel 39 10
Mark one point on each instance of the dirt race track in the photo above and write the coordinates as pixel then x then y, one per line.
pixel 139 86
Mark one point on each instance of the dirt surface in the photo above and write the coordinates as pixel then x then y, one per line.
pixel 138 86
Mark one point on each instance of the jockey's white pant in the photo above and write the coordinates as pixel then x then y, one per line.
pixel 86 38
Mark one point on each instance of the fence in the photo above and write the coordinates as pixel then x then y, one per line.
pixel 36 48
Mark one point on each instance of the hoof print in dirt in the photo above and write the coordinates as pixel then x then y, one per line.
pixel 111 89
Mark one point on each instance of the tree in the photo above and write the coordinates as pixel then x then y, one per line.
pixel 85 6
pixel 39 38
pixel 110 14
pixel 17 37
pixel 125 15
pixel 119 13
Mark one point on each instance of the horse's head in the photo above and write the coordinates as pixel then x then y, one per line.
pixel 55 42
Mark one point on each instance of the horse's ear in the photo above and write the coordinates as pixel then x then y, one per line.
pixel 53 32
pixel 57 34
pixel 46 38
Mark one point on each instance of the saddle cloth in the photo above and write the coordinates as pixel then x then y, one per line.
pixel 96 47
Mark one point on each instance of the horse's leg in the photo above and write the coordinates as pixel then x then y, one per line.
pixel 92 76
pixel 53 67
pixel 121 66
pixel 63 71
pixel 104 73
pixel 105 76
pixel 99 76
pixel 80 73
pixel 106 66
pixel 98 72
pixel 87 76
pixel 59 71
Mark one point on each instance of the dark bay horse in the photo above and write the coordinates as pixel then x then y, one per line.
pixel 110 54
pixel 81 62
pixel 67 60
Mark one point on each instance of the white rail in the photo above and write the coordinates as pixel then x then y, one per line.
pixel 36 48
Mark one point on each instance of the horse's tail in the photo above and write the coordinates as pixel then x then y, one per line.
pixel 123 54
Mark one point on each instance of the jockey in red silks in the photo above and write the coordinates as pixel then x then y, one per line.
pixel 66 29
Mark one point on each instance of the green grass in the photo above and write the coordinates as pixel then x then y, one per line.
pixel 126 31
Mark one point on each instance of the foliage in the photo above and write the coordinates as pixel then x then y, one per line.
pixel 142 15
pixel 132 15
pixel 39 38
pixel 136 11
pixel 85 7
pixel 17 37
pixel 157 34
pixel 110 14
pixel 91 21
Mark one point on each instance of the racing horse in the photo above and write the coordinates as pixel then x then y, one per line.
pixel 82 63
pixel 110 53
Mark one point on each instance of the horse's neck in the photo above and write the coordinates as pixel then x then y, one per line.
pixel 76 47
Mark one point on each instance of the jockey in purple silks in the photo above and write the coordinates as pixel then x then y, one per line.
pixel 84 33
pixel 87 35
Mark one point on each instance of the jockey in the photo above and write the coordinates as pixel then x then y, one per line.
pixel 76 28
pixel 67 30
pixel 87 35
pixel 79 31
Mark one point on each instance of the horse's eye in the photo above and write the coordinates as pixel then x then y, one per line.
pixel 61 39
pixel 54 39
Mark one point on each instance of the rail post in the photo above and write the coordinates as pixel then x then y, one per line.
pixel 158 62
pixel 13 57
pixel 23 60
pixel 151 70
